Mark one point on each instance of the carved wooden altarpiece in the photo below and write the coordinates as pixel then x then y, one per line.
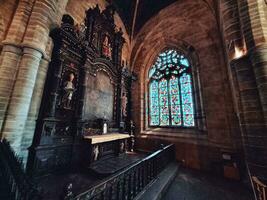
pixel 80 54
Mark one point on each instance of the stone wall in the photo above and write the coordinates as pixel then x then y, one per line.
pixel 194 23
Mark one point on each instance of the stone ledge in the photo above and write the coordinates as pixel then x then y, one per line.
pixel 156 189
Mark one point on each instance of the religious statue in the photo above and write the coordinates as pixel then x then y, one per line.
pixel 124 102
pixel 68 92
pixel 106 48
pixel 95 152
pixel 122 147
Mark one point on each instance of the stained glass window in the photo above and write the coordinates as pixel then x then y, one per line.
pixel 171 91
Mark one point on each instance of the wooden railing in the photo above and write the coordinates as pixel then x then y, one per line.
pixel 126 184
pixel 19 186
pixel 260 189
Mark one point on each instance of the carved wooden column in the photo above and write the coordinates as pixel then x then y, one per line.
pixel 117 49
pixel 55 70
pixel 82 90
pixel 126 98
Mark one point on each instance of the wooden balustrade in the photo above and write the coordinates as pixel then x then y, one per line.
pixel 126 184
pixel 260 189
pixel 11 168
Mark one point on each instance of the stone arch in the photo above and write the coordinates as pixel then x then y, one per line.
pixel 169 12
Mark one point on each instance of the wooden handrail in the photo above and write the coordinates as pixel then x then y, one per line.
pixel 127 183
pixel 259 188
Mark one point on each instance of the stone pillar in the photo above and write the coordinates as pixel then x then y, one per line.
pixel 231 25
pixel 10 55
pixel 253 21
pixel 19 23
pixel 17 111
pixel 34 108
pixel 258 57
pixel 249 76
pixel 8 70
pixel 251 115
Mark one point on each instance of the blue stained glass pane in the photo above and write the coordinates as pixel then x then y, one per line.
pixel 175 101
pixel 184 62
pixel 189 120
pixel 154 103
pixel 163 102
pixel 187 100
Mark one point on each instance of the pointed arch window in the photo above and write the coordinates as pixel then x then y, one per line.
pixel 171 100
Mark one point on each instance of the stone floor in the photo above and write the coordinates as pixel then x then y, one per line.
pixel 194 185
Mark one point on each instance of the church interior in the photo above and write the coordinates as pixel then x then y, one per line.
pixel 133 99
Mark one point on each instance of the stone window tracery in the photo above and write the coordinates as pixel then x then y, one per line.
pixel 171 99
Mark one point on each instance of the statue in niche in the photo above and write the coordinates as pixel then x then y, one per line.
pixel 106 47
pixel 124 102
pixel 69 89
pixel 95 153
pixel 122 147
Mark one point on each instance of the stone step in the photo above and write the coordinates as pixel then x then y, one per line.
pixel 157 189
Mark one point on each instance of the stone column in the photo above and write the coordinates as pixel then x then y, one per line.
pixel 231 25
pixel 34 108
pixel 251 115
pixel 253 21
pixel 249 77
pixel 258 57
pixel 8 70
pixel 11 53
pixel 17 111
